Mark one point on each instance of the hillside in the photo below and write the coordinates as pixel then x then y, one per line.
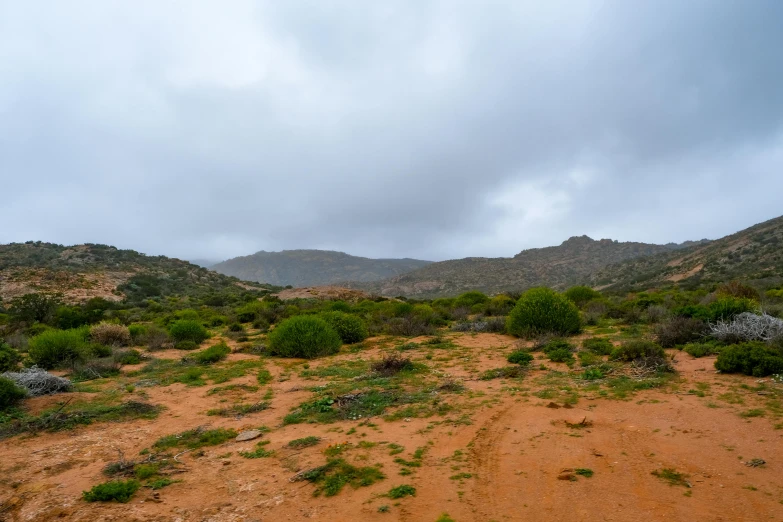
pixel 313 267
pixel 559 266
pixel 755 253
pixel 84 271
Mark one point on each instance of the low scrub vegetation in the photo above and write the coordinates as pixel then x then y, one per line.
pixel 188 330
pixel 751 358
pixel 112 491
pixel 543 311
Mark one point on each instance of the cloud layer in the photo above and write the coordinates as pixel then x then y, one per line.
pixel 415 129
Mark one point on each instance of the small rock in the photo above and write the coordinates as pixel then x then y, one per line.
pixel 226 462
pixel 248 435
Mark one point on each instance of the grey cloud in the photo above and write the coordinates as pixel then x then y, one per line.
pixel 419 129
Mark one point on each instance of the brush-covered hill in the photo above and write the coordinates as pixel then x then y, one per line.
pixel 753 254
pixel 302 268
pixel 82 272
pixel 561 266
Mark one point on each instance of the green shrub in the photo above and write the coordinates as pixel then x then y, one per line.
pixel 501 304
pixel 350 327
pixel 560 355
pixel 55 348
pixel 470 299
pixel 751 358
pixel 401 491
pixel 541 311
pixel 589 358
pixel 556 344
pixel 700 349
pixel 128 357
pixel 236 327
pixel 98 350
pixel 9 358
pixel 188 330
pixel 592 374
pixel 137 333
pixel 185 345
pixel 598 345
pixel 680 330
pixel 212 354
pixel 726 307
pixel 581 295
pixel 10 393
pixel 520 357
pixel 110 334
pixel 112 491
pixel 304 336
pixel 637 349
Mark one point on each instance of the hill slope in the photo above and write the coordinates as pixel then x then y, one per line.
pixel 559 266
pixel 313 267
pixel 752 254
pixel 84 271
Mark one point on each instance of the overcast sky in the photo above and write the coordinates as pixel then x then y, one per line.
pixel 207 129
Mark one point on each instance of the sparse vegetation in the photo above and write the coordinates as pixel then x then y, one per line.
pixel 112 491
pixel 336 473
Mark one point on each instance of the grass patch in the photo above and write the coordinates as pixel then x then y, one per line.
pixel 112 491
pixel 195 438
pixel 65 418
pixel 673 477
pixel 304 442
pixel 585 472
pixel 237 410
pixel 219 390
pixel 401 491
pixel 506 372
pixel 335 474
pixel 259 452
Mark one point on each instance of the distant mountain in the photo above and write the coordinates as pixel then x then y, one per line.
pixel 561 266
pixel 755 253
pixel 313 267
pixel 205 263
pixel 81 272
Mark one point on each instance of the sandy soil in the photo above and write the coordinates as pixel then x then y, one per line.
pixel 503 456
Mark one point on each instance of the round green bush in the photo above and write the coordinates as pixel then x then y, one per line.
pixel 350 327
pixel 581 295
pixel 188 330
pixel 751 358
pixel 212 354
pixel 9 358
pixel 598 345
pixel 541 311
pixel 470 299
pixel 304 336
pixel 10 393
pixel 520 357
pixel 637 349
pixel 54 348
pixel 560 355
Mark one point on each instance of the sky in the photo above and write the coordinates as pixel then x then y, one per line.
pixel 424 129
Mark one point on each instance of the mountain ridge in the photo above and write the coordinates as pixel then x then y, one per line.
pixel 559 266
pixel 312 267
